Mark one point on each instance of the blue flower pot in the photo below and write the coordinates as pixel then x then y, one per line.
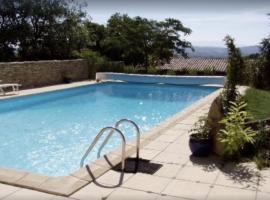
pixel 200 147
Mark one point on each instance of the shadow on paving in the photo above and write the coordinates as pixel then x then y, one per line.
pixel 238 172
pixel 132 165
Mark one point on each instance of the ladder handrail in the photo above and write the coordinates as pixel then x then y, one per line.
pixel 113 129
pixel 116 126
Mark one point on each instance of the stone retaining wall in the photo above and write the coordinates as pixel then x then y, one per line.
pixel 42 73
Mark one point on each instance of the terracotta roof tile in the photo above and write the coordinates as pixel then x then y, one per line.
pixel 199 64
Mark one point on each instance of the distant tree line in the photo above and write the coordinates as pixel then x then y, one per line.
pixel 59 29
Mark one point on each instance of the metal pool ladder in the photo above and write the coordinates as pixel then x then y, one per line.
pixel 112 131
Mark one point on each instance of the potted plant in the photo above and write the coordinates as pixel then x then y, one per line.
pixel 200 140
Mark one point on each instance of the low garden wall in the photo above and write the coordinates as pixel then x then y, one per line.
pixel 41 73
pixel 178 80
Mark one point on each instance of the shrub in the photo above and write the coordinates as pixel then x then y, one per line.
pixel 209 71
pixel 130 70
pixel 262 146
pixel 265 53
pixel 152 70
pixel 95 61
pixel 192 72
pixel 201 129
pixel 234 73
pixel 235 133
pixel 98 63
pixel 171 72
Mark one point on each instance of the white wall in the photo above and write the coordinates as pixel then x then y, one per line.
pixel 178 80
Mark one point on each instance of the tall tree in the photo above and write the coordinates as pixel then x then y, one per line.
pixel 142 42
pixel 265 56
pixel 41 29
pixel 234 72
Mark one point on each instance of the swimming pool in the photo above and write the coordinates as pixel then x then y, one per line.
pixel 48 133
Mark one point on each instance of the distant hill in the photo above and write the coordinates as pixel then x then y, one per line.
pixel 219 52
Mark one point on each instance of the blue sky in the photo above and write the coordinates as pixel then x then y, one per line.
pixel 210 20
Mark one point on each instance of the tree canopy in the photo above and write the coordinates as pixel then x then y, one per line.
pixel 54 29
pixel 143 42
pixel 40 29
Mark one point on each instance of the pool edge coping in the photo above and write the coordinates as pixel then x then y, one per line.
pixel 68 185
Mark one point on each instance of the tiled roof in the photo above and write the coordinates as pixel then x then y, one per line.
pixel 200 64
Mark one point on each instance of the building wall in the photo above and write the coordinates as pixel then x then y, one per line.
pixel 42 73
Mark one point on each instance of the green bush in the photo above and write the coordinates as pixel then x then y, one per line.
pixel 130 70
pixel 262 146
pixel 192 72
pixel 201 129
pixel 235 133
pixel 152 70
pixel 265 54
pixel 171 72
pixel 209 71
pixel 98 63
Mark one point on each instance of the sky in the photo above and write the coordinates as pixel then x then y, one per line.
pixel 210 20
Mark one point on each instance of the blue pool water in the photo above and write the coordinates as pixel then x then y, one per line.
pixel 48 133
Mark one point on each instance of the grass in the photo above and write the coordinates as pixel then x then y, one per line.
pixel 258 103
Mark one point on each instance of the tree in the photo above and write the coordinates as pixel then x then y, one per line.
pixel 234 72
pixel 41 29
pixel 8 25
pixel 265 54
pixel 142 42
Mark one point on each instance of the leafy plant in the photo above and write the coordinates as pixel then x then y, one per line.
pixel 209 71
pixel 171 72
pixel 235 133
pixel 262 146
pixel 234 73
pixel 201 129
pixel 130 70
pixel 152 70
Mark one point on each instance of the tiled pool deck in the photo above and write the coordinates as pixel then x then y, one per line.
pixel 171 173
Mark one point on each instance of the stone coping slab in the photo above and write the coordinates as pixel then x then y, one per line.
pixel 67 185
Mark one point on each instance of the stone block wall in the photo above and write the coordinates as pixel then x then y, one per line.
pixel 42 73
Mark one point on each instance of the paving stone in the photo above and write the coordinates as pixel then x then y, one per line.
pixel 186 189
pixel 168 171
pixel 61 198
pixel 183 139
pixel 92 192
pixel 167 138
pixel 157 145
pixel 25 194
pixel 166 197
pixel 189 121
pixel 238 176
pixel 114 178
pixel 197 174
pixel 219 192
pixel 207 163
pixel 124 193
pixel 147 154
pixel 263 196
pixel 182 127
pixel 177 148
pixel 146 183
pixel 63 185
pixel 32 180
pixel 264 181
pixel 6 190
pixel 174 133
pixel 171 158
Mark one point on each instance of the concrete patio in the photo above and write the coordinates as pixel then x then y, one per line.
pixel 173 174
